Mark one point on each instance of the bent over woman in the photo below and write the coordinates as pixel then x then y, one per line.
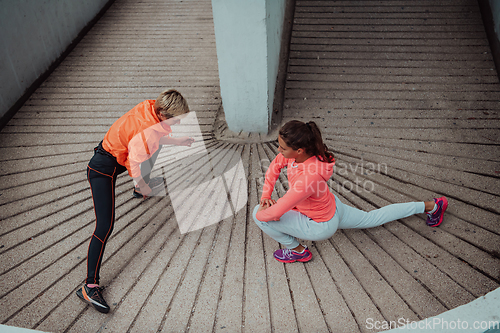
pixel 131 144
pixel 309 210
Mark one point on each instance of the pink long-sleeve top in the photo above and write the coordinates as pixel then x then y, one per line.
pixel 308 189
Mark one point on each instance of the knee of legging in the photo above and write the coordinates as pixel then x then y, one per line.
pixel 103 232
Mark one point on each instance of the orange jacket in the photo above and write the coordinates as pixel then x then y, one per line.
pixel 135 136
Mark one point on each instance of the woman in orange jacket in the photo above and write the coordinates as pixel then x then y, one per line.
pixel 132 143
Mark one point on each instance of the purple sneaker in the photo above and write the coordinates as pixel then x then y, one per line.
pixel 288 255
pixel 435 219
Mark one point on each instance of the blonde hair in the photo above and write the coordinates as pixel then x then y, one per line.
pixel 170 103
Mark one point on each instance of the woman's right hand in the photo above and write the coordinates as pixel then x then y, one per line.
pixel 143 187
pixel 145 190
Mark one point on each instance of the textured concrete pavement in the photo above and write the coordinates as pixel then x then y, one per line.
pixel 407 97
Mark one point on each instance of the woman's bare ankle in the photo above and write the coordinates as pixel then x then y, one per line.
pixel 299 248
pixel 429 205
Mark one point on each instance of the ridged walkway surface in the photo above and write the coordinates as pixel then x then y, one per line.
pixel 407 97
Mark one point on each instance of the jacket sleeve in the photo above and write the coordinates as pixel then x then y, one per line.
pixel 143 145
pixel 303 188
pixel 138 152
pixel 272 174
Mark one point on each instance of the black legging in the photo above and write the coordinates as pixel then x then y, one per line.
pixel 102 171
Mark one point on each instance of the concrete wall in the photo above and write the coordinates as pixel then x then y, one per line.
pixel 490 11
pixel 34 33
pixel 248 37
pixel 495 11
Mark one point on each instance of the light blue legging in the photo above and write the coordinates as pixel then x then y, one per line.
pixel 293 224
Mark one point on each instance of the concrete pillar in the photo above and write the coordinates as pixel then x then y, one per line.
pixel 248 37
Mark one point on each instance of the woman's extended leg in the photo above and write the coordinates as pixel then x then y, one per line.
pixel 293 225
pixel 353 218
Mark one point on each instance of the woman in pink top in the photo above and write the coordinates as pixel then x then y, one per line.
pixel 309 210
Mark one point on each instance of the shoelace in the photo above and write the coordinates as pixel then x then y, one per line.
pixel 97 294
pixel 434 216
pixel 287 253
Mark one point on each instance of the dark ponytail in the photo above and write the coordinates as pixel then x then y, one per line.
pixel 297 134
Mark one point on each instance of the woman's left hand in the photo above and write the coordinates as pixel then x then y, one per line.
pixel 264 204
